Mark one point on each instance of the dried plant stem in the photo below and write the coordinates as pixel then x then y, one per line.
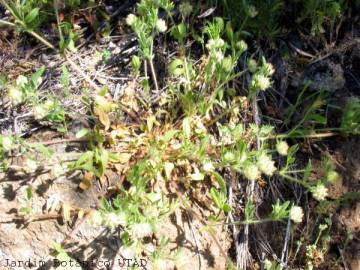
pixel 242 249
pixel 153 74
pixel 82 73
pixel 6 23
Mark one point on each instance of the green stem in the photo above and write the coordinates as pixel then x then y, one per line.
pixel 293 179
pixel 56 8
pixel 247 222
pixel 221 115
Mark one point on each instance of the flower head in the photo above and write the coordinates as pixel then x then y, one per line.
pixel 319 192
pixel 141 230
pixel 131 19
pixel 208 166
pixel 261 82
pixel 116 219
pixel 252 12
pixel 215 44
pixel 30 165
pixel 161 25
pixel 15 94
pixel 251 172
pixel 282 147
pixel 296 214
pixel 266 165
pixel 39 112
pixel 227 63
pixel 6 143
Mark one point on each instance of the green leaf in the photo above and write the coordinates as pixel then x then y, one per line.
pixel 249 211
pixel 198 176
pixel 29 193
pixel 176 67
pixel 169 135
pixel 226 208
pixel 307 172
pixel 48 152
pixel 71 45
pixel 33 14
pixel 215 195
pixel 291 155
pixel 81 133
pixel 36 77
pixel 179 32
pixel 168 168
pixel 280 211
pixel 317 118
pixel 153 196
pixel 26 210
pixel 221 183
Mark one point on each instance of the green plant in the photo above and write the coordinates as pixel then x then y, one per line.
pixel 254 17
pixel 322 13
pixel 194 130
pixel 350 121
pixel 27 209
pixel 25 92
pixel 315 252
pixel 62 261
pixel 146 26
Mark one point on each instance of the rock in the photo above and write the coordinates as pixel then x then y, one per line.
pixel 323 75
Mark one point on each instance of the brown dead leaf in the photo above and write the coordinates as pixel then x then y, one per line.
pixel 86 182
pixel 103 117
pixel 66 212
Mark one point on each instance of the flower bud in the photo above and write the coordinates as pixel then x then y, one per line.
pixel 269 69
pixel 242 46
pixel 227 63
pixel 332 177
pixel 229 156
pixel 252 65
